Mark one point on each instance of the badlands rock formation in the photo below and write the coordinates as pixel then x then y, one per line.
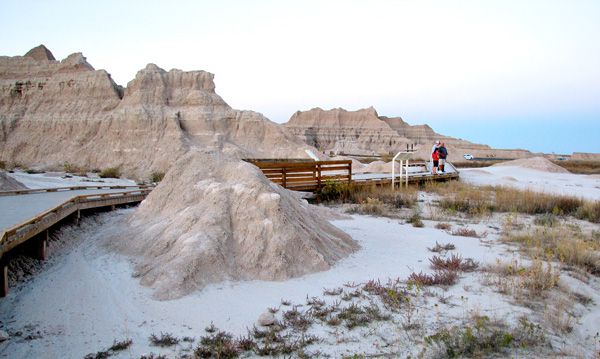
pixel 53 112
pixel 364 132
pixel 214 219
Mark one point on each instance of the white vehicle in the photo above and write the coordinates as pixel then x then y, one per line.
pixel 468 156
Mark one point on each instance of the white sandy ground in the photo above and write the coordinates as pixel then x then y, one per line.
pixel 86 297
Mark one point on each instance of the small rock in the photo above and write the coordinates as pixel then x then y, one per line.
pixel 3 336
pixel 266 319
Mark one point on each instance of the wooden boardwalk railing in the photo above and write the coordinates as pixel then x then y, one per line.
pixel 307 175
pixel 35 230
pixel 71 188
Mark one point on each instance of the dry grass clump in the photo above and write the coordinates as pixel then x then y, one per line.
pixel 163 340
pixel 483 337
pixel 580 166
pixel 478 201
pixel 443 277
pixel 415 220
pixel 351 193
pixel 454 263
pixel 466 232
pixel 156 176
pixel 443 226
pixel 110 172
pixel 565 245
pixel 372 206
pixel 524 281
pixel 442 247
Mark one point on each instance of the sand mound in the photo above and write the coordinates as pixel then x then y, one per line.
pixel 535 163
pixel 213 219
pixel 8 183
pixel 357 166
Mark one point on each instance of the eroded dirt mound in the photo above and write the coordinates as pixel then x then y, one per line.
pixel 8 183
pixel 214 218
pixel 535 163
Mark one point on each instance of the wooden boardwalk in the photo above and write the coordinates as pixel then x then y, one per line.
pixel 310 176
pixel 33 232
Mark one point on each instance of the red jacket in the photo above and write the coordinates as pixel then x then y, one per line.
pixel 435 155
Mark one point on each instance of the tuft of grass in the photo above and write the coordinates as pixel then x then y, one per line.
pixel 121 345
pixel 98 355
pixel 443 226
pixel 372 206
pixel 444 277
pixel 546 220
pixel 442 247
pixel 2 165
pixel 415 220
pixel 110 172
pixel 454 263
pixel 217 344
pixel 163 340
pixel 156 176
pixel 524 281
pixel 466 232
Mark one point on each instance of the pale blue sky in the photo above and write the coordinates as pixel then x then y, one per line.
pixel 512 74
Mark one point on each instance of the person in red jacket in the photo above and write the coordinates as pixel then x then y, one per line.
pixel 435 157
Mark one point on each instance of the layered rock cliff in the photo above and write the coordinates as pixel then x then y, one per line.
pixel 53 112
pixel 364 132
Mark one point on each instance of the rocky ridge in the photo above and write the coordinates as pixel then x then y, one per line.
pixel 364 132
pixel 53 112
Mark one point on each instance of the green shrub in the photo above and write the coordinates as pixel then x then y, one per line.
pixel 110 172
pixel 156 176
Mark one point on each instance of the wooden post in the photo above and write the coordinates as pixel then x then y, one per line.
pixel 77 217
pixel 318 176
pixel 350 173
pixel 41 247
pixel 3 278
pixel 283 178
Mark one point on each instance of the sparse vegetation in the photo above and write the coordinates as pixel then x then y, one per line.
pixel 466 232
pixel 350 193
pixel 415 220
pixel 444 277
pixel 110 172
pixel 568 246
pixel 2 165
pixel 218 344
pixel 163 340
pixel 478 201
pixel 454 263
pixel 483 338
pixel 121 345
pixel 443 226
pixel 442 247
pixel 521 281
pixel 156 176
pixel 580 166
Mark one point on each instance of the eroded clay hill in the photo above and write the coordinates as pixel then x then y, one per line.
pixel 364 132
pixel 213 219
pixel 53 112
